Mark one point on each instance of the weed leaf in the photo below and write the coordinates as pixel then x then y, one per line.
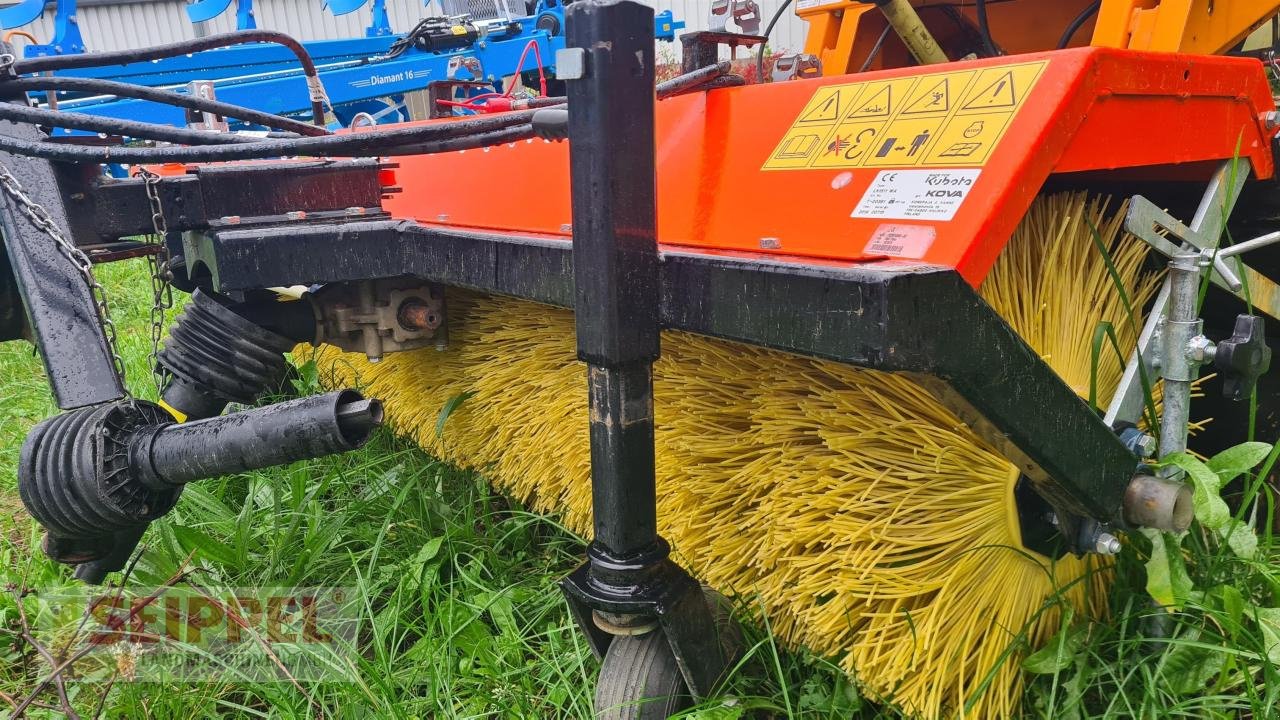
pixel 1269 621
pixel 1188 668
pixel 1210 509
pixel 1060 651
pixel 1235 461
pixel 1231 602
pixel 1241 538
pixel 1167 580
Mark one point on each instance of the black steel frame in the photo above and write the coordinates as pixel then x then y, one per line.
pixel 909 318
pixel 885 316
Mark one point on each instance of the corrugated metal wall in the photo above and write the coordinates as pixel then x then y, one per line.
pixel 137 23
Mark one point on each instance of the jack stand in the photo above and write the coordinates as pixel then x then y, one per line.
pixel 629 595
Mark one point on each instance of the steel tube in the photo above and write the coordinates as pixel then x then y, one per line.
pixel 615 258
pixel 1181 324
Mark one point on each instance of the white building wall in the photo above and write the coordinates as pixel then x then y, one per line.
pixel 138 23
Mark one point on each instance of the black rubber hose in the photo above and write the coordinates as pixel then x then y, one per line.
pixel 984 28
pixel 352 145
pixel 183 47
pixel 1078 22
pixel 691 80
pixel 165 97
pixel 17 113
pixel 768 30
pixel 512 134
pixel 875 49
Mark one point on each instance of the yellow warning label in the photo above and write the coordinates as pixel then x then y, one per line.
pixel 942 119
pixel 996 89
pixel 823 108
pixel 876 102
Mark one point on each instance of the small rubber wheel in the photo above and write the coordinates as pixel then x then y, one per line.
pixel 639 679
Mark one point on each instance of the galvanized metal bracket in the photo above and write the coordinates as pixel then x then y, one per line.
pixel 1154 226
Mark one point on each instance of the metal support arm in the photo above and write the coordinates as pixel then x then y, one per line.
pixel 61 313
pixel 628 581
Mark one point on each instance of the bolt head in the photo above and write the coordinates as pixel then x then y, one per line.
pixel 1201 349
pixel 1146 446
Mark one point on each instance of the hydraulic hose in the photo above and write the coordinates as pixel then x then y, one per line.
pixel 984 28
pixel 875 49
pixel 14 112
pixel 1078 22
pixel 425 139
pixel 701 79
pixel 315 88
pixel 768 30
pixel 99 86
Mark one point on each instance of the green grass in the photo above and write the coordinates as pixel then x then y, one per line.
pixel 461 617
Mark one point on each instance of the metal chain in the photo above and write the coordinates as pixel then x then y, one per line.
pixel 161 276
pixel 43 222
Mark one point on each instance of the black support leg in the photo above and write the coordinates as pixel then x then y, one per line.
pixel 60 311
pixel 628 584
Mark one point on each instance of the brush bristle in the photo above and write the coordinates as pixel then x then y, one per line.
pixel 862 516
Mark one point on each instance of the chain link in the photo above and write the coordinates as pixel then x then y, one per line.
pixel 43 222
pixel 161 276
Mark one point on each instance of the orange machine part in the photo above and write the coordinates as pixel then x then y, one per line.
pixel 1189 26
pixel 842 33
pixel 1092 109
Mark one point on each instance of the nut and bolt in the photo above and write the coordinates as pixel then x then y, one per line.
pixel 1201 349
pixel 1139 443
pixel 1145 446
pixel 1106 544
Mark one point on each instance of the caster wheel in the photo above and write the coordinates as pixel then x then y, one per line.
pixel 639 679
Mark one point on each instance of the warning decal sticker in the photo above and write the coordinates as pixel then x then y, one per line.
pixel 940 120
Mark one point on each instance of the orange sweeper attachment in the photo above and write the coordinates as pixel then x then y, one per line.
pixel 823 344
